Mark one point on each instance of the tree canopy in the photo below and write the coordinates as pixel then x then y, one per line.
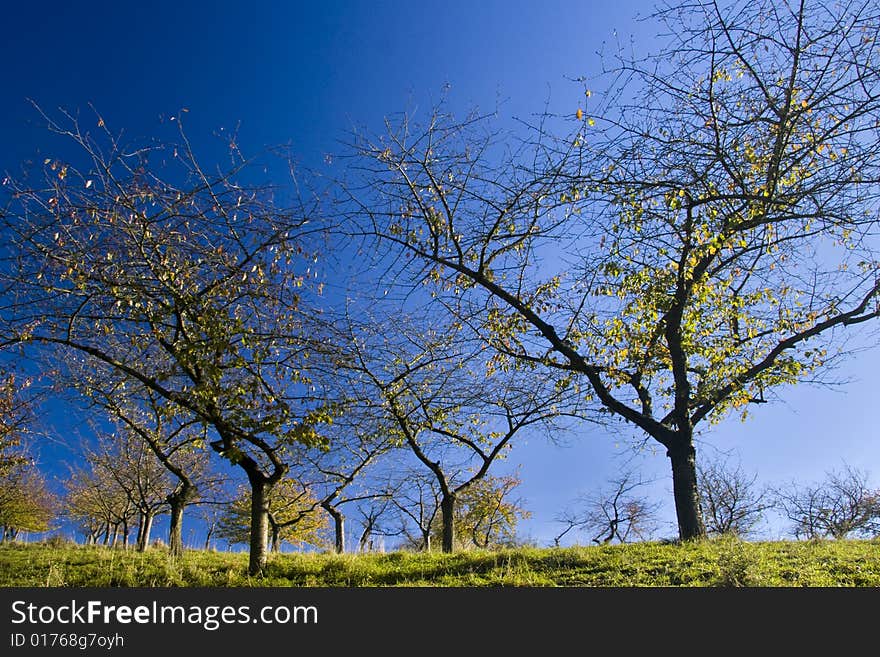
pixel 159 274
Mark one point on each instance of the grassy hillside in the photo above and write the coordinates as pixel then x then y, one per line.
pixel 724 562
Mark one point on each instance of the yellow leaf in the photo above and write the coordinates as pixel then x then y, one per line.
pixel 579 114
pixel 591 122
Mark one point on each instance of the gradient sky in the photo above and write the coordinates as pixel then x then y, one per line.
pixel 305 73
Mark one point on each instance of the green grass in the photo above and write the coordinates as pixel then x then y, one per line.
pixel 723 562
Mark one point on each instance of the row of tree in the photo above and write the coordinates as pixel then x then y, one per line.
pixel 129 476
pixel 118 489
pixel 705 235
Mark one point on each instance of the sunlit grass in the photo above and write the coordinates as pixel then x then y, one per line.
pixel 723 562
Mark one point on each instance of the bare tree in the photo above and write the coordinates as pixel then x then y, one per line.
pixel 340 474
pixel 176 442
pixel 127 461
pixel 95 501
pixel 372 514
pixel 842 505
pixel 730 500
pixel 161 274
pixel 417 500
pixel 614 513
pixel 712 214
pixel 211 514
pixel 456 412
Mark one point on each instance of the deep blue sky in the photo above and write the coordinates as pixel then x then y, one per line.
pixel 294 71
pixel 305 73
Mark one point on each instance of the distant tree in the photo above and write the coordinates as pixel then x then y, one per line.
pixel 167 275
pixel 705 235
pixel 127 461
pixel 26 504
pixel 730 500
pixel 178 443
pixel 374 515
pixel 98 504
pixel 339 475
pixel 211 514
pixel 841 506
pixel 416 499
pixel 455 411
pixel 82 506
pixel 488 514
pixel 293 514
pixel 617 512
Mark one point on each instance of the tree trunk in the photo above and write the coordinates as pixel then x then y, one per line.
pixel 145 527
pixel 684 488
pixel 447 512
pixel 259 525
pixel 275 532
pixel 365 537
pixel 175 525
pixel 177 501
pixel 338 527
pixel 210 535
